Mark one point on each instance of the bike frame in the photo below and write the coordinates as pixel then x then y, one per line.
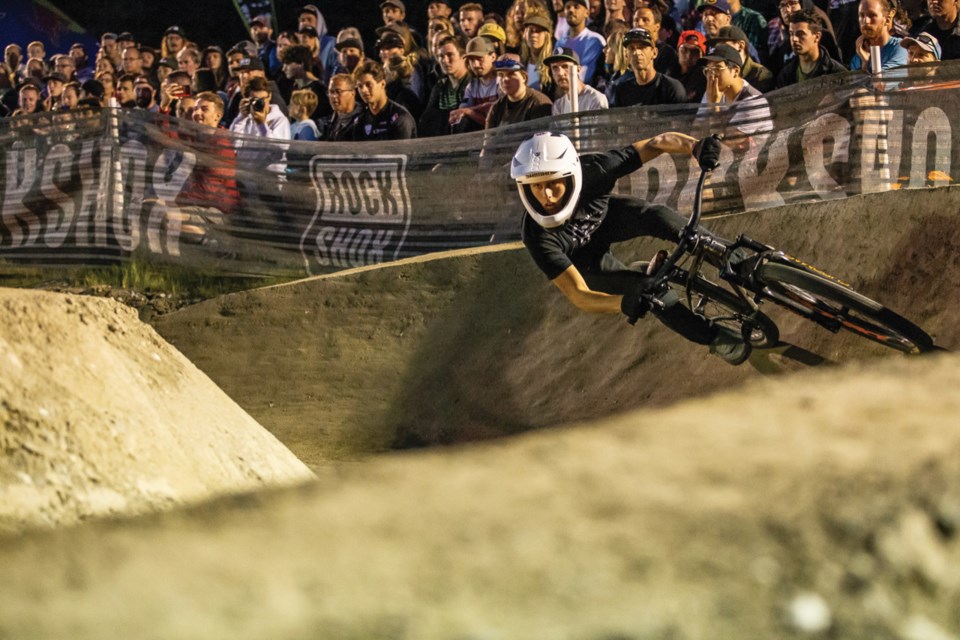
pixel 693 242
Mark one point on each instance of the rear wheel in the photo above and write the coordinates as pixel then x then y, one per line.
pixel 725 308
pixel 836 306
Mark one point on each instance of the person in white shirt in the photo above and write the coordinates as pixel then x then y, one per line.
pixel 588 98
pixel 260 118
pixel 745 110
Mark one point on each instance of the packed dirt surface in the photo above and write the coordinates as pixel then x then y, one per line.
pixel 646 489
pixel 821 505
pixel 454 348
pixel 102 417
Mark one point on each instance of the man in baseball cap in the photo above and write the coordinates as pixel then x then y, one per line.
pixel 561 61
pixel 519 102
pixel 722 67
pixel 393 11
pixel 922 49
pixel 725 86
pixel 753 72
pixel 175 40
pixel 648 86
pixel 482 90
pixel 390 44
pixel 714 14
pixel 691 46
pixel 694 39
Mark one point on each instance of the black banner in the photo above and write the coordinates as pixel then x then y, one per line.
pixel 100 188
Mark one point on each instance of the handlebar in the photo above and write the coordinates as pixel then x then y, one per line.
pixel 688 235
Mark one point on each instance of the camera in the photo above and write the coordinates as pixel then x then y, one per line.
pixel 259 105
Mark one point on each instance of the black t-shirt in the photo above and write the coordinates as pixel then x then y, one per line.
pixel 552 249
pixel 662 90
pixel 949 39
pixel 694 83
pixel 668 60
pixel 392 123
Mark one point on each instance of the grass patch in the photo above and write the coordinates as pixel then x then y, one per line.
pixel 135 274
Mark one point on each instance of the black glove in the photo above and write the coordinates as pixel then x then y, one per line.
pixel 634 305
pixel 707 152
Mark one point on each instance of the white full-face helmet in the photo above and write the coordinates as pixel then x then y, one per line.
pixel 547 156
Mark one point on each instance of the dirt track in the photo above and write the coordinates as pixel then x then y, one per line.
pixel 812 504
pixel 451 349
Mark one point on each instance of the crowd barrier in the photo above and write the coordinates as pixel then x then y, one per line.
pixel 102 188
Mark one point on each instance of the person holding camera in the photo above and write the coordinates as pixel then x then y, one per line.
pixel 259 117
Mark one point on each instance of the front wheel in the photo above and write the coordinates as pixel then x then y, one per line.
pixel 837 306
pixel 725 308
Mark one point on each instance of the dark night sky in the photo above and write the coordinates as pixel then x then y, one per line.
pixel 217 21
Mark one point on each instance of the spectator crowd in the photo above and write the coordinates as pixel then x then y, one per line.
pixel 463 68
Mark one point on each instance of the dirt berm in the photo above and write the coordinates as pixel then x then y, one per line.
pixel 100 416
pixel 457 347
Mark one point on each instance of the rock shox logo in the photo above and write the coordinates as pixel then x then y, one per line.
pixel 362 215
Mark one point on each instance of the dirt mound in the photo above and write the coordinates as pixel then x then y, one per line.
pixel 820 505
pixel 100 416
pixel 459 347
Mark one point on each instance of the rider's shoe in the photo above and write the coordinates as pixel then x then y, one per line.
pixel 730 346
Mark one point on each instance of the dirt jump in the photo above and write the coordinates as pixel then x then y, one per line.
pixel 102 417
pixel 490 463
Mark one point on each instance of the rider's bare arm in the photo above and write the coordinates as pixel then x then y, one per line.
pixel 669 142
pixel 573 286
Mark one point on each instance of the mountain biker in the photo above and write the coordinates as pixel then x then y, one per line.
pixel 572 219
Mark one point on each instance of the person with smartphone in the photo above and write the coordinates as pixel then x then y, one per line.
pixel 175 86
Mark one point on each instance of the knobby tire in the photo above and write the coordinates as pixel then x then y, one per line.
pixel 837 305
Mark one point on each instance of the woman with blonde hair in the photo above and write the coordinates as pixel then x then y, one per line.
pixel 536 47
pixel 615 62
pixel 517 16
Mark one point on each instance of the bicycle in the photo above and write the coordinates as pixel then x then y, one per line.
pixel 753 273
